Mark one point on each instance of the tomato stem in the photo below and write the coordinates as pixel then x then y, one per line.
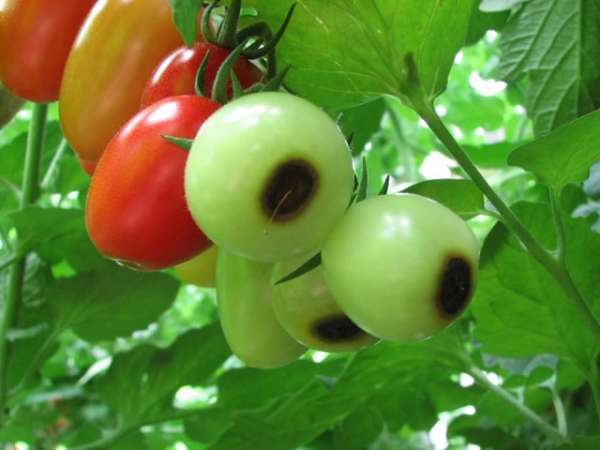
pixel 546 258
pixel 30 189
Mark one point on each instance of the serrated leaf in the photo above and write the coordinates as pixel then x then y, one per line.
pixel 185 13
pixel 110 302
pixel 564 156
pixel 554 43
pixel 519 309
pixel 347 52
pixel 141 383
pixel 461 196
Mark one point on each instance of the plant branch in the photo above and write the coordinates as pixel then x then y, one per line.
pixel 427 112
pixel 523 409
pixel 29 190
pixel 559 409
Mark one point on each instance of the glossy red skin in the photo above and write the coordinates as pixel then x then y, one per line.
pixel 176 74
pixel 35 40
pixel 136 210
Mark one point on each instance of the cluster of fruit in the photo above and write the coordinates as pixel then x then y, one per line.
pixel 192 156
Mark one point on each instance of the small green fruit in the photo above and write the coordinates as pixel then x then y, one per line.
pixel 268 177
pixel 402 267
pixel 308 312
pixel 247 318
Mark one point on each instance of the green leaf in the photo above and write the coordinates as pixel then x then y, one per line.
pixel 111 302
pixel 564 156
pixel 554 43
pixel 362 122
pixel 519 309
pixel 582 443
pixel 309 265
pixel 358 430
pixel 482 21
pixel 141 383
pixel 461 196
pixel 347 52
pixel 57 235
pixel 490 156
pixel 185 13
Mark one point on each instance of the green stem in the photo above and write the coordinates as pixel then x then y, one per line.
pixel 544 257
pixel 8 262
pixel 559 227
pixel 523 409
pixel 559 408
pixel 62 148
pixel 30 188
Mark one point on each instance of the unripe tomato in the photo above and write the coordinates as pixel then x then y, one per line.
pixel 9 106
pixel 307 310
pixel 176 74
pixel 251 329
pixel 35 39
pixel 201 270
pixel 269 176
pixel 403 267
pixel 120 44
pixel 136 210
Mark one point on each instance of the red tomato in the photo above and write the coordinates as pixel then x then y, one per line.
pixel 120 44
pixel 35 39
pixel 88 166
pixel 176 74
pixel 136 209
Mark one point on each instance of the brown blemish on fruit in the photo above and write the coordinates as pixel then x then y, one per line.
pixel 455 287
pixel 337 328
pixel 289 190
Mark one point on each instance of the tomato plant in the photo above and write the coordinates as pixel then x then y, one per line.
pixel 136 211
pixel 35 40
pixel 112 59
pixel 442 296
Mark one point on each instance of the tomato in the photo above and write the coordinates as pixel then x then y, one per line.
pixel 88 166
pixel 306 309
pixel 176 75
pixel 9 106
pixel 120 44
pixel 246 313
pixel 201 270
pixel 136 210
pixel 35 39
pixel 403 267
pixel 269 176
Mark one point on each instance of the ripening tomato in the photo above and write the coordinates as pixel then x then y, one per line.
pixel 201 270
pixel 35 39
pixel 120 44
pixel 136 210
pixel 176 75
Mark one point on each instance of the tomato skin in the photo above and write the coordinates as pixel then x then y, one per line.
pixel 136 210
pixel 87 166
pixel 120 44
pixel 35 39
pixel 201 270
pixel 176 74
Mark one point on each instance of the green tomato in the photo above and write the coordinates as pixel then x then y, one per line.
pixel 201 270
pixel 402 267
pixel 268 177
pixel 308 312
pixel 252 331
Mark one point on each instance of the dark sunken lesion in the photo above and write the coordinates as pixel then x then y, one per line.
pixel 456 286
pixel 289 190
pixel 337 328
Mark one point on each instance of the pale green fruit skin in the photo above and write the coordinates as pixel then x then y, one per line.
pixel 234 154
pixel 385 260
pixel 247 318
pixel 305 302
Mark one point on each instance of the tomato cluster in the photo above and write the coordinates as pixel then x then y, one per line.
pixel 201 161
